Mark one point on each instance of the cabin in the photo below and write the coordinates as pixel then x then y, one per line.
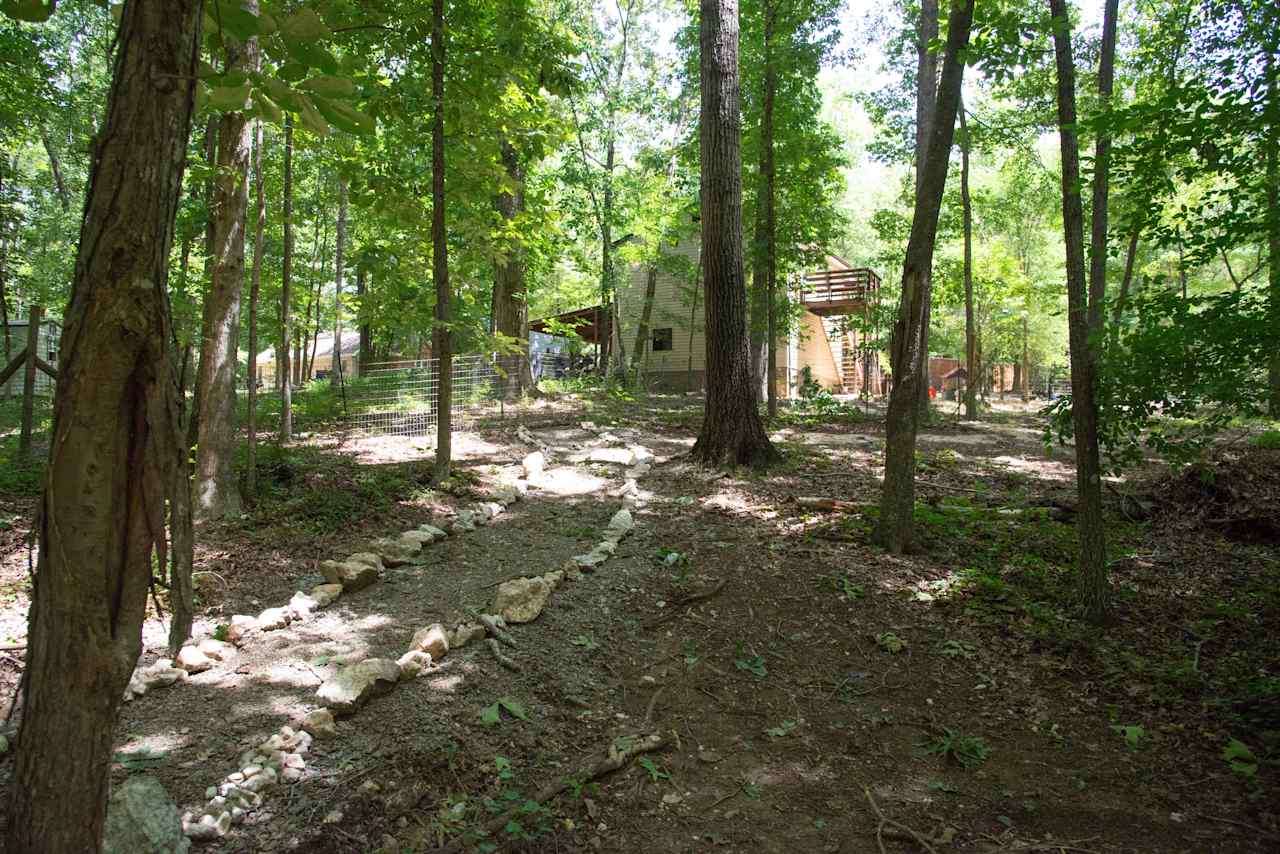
pixel 320 365
pixel 823 347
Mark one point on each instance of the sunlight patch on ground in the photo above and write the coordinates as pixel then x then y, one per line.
pixel 566 481
pixel 159 742
pixel 1038 468
pixel 790 773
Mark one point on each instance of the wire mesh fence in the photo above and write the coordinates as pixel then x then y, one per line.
pixel 399 398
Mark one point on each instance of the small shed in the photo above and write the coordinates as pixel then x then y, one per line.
pixel 50 336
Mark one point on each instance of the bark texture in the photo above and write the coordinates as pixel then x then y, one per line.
pixel 339 263
pixel 441 343
pixel 115 439
pixel 970 324
pixel 1093 587
pixel 732 432
pixel 765 267
pixel 894 530
pixel 926 108
pixel 510 293
pixel 259 229
pixel 286 275
pixel 217 491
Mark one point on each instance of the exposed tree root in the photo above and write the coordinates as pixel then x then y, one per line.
pixel 884 821
pixel 503 659
pixel 491 626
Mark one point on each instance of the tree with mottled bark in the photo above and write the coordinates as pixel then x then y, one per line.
pixel 255 285
pixel 217 490
pixel 732 431
pixel 970 322
pixel 1084 298
pixel 286 275
pixel 895 527
pixel 510 291
pixel 926 106
pixel 115 440
pixel 441 341
pixel 340 245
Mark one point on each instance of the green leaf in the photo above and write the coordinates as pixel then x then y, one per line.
pixel 330 86
pixel 754 665
pixel 267 109
pixel 1132 734
pixel 311 118
pixel 1242 760
pixel 514 708
pixel 311 55
pixel 303 25
pixel 228 99
pixel 291 71
pixel 781 731
pixel 489 715
pixel 267 24
pixel 34 11
pixel 344 117
pixel 235 21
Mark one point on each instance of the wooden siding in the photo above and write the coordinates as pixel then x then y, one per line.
pixel 672 305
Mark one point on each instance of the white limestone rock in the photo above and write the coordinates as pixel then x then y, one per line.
pixel 240 627
pixel 622 522
pixel 351 574
pixel 533 465
pixel 142 819
pixel 436 533
pixel 301 606
pixel 433 640
pixel 521 600
pixel 356 683
pixel 274 618
pixel 464 634
pixel 192 660
pixel 617 456
pixel 320 724
pixel 412 663
pixel 217 650
pixel 326 594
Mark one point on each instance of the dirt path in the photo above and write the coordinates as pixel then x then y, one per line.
pixel 815 689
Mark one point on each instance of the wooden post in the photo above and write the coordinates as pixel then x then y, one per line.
pixel 29 380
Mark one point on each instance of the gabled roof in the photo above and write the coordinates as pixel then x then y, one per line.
pixel 323 345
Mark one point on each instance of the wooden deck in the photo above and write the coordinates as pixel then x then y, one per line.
pixel 838 291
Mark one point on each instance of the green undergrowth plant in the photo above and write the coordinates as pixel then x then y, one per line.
pixel 967 750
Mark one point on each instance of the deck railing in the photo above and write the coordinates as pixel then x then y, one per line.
pixel 838 287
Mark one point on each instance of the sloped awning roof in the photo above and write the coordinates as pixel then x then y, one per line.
pixel 323 345
pixel 585 322
pixel 956 374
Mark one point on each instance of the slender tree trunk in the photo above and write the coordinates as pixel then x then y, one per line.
pixel 114 440
pixel 217 491
pixel 4 273
pixel 1272 144
pixel 646 318
pixel 510 293
pixel 1025 387
pixel 260 224
pixel 1084 303
pixel 897 501
pixel 766 236
pixel 732 432
pixel 182 544
pixel 693 323
pixel 286 273
pixel 606 258
pixel 926 107
pixel 366 337
pixel 1126 281
pixel 970 325
pixel 55 166
pixel 442 343
pixel 340 246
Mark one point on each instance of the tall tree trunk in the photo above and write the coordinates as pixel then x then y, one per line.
pixel 606 259
pixel 217 492
pixel 1272 144
pixel 182 543
pixel 1025 387
pixel 114 440
pixel 286 273
pixel 340 246
pixel 910 359
pixel 260 224
pixel 732 432
pixel 926 108
pixel 510 293
pixel 4 273
pixel 442 343
pixel 366 333
pixel 1084 302
pixel 970 324
pixel 766 262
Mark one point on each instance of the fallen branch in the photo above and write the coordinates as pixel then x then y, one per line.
pixel 491 626
pixel 885 821
pixel 503 659
pixel 681 603
pixel 810 502
pixel 621 751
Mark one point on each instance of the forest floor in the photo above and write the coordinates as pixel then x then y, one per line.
pixel 816 693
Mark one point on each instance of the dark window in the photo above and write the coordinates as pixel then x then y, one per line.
pixel 662 339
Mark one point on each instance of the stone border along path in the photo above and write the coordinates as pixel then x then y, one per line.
pixel 280 757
